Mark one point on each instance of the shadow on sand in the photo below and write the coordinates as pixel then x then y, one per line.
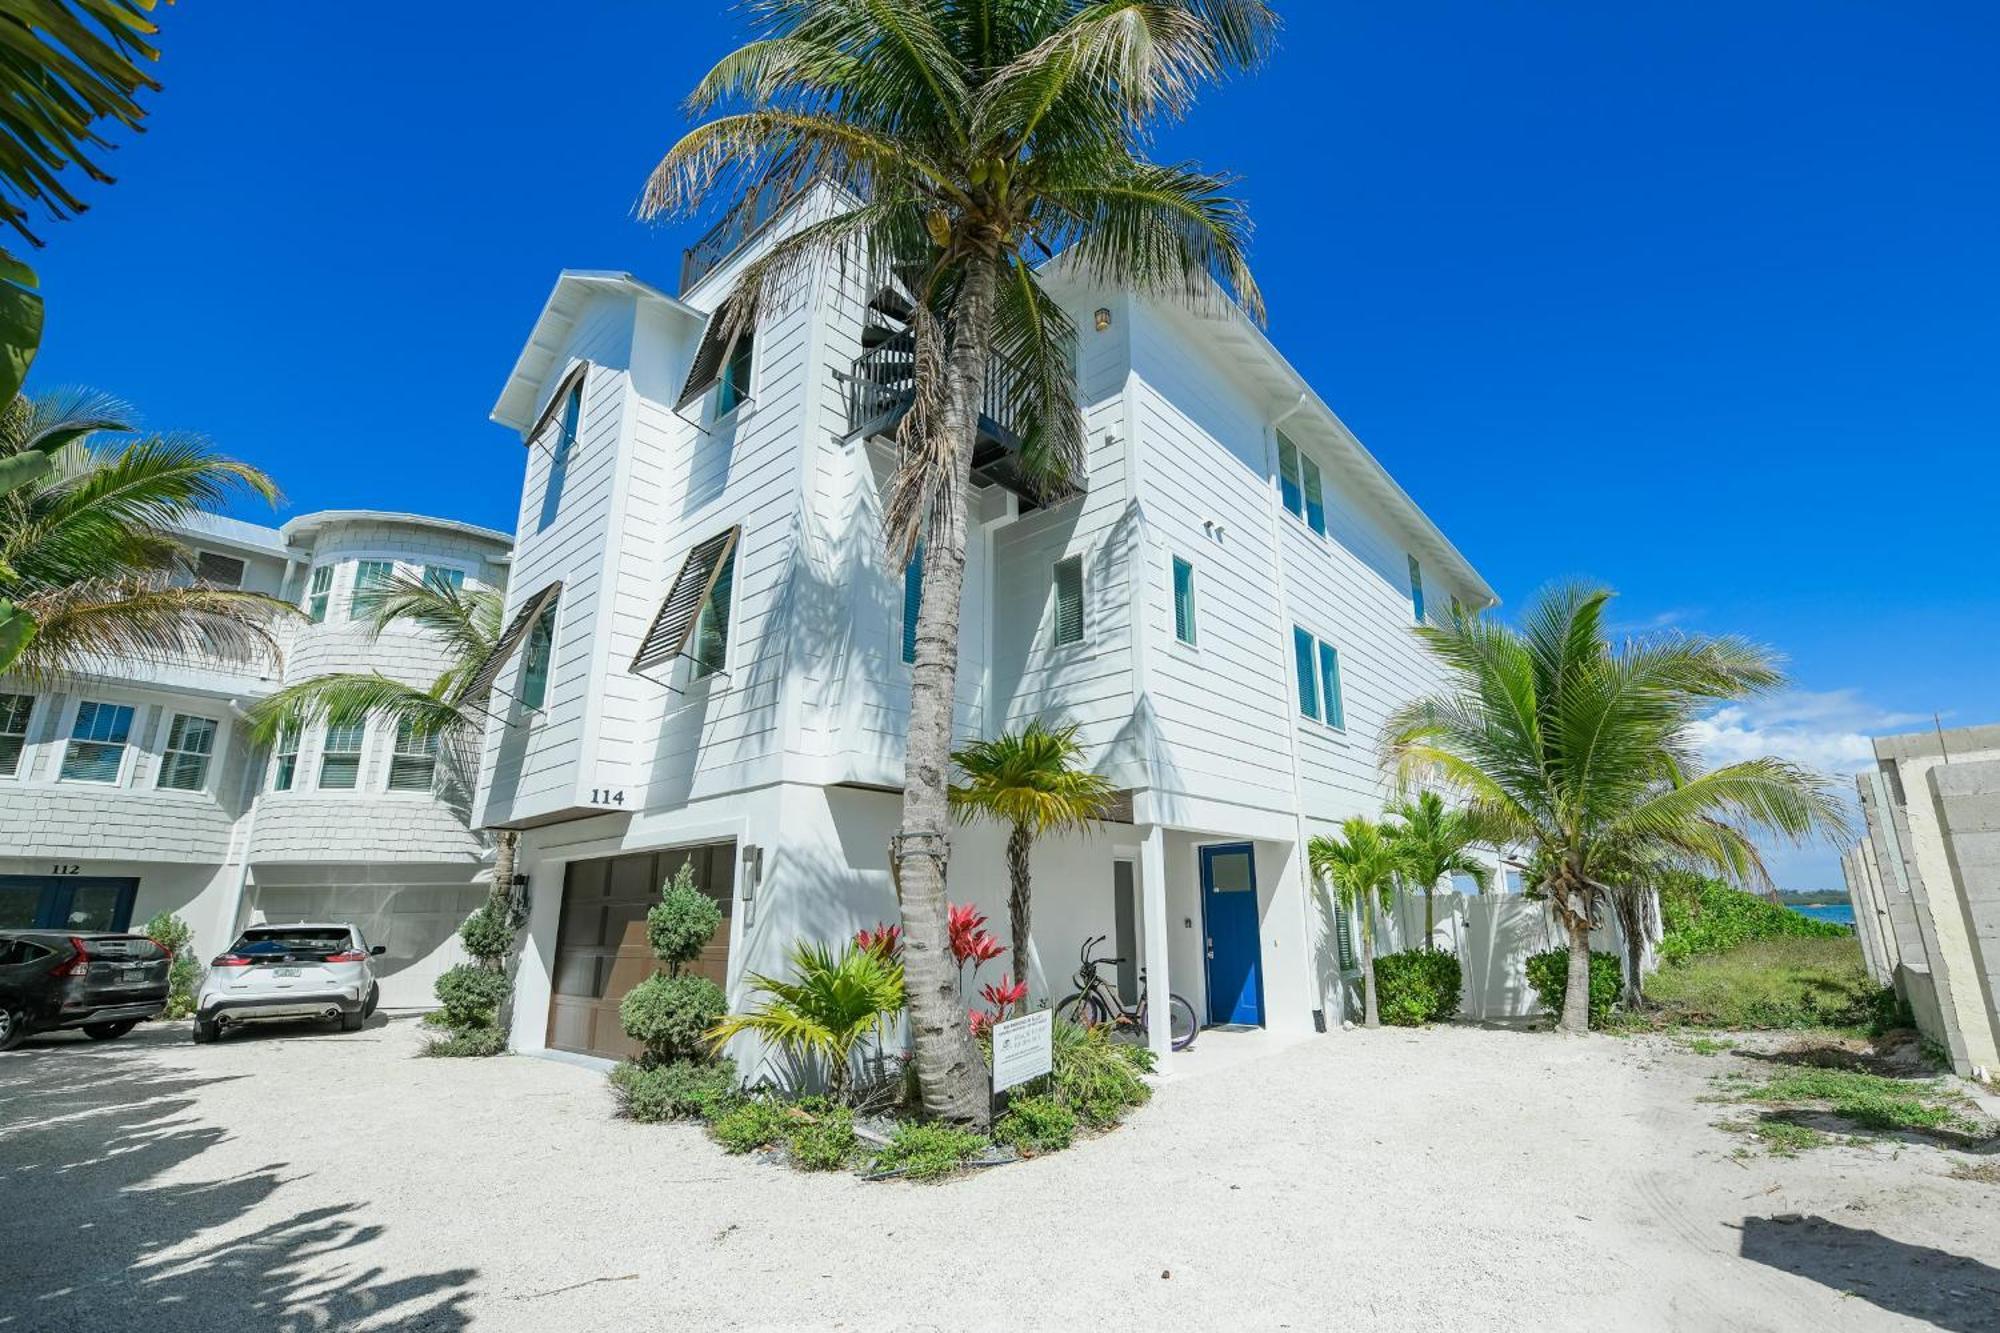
pixel 1942 1289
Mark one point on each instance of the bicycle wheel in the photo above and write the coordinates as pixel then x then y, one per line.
pixel 1083 1009
pixel 1181 1022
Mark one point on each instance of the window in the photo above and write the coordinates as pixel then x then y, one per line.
pixel 735 385
pixel 1183 600
pixel 1416 590
pixel 442 578
pixel 541 647
pixel 1315 497
pixel 285 767
pixel 1514 881
pixel 1290 488
pixel 321 592
pixel 1308 673
pixel 414 764
pixel 340 757
pixel 1329 686
pixel 913 601
pixel 559 455
pixel 97 742
pixel 221 571
pixel 1069 600
pixel 372 581
pixel 14 710
pixel 711 627
pixel 190 745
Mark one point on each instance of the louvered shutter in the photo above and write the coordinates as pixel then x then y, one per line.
pixel 668 635
pixel 1069 600
pixel 482 680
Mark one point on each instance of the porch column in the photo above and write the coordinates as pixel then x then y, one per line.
pixel 1153 885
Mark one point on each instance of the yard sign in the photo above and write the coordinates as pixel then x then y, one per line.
pixel 1021 1049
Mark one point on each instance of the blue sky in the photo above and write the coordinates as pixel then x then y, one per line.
pixel 1699 300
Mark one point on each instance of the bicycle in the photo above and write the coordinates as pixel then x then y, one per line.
pixel 1097 1002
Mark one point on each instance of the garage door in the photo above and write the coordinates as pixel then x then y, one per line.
pixel 416 923
pixel 601 949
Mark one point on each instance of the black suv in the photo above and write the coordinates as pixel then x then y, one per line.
pixel 104 984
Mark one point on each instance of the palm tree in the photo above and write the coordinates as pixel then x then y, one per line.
pixel 965 138
pixel 1584 753
pixel 69 65
pixel 1361 866
pixel 833 1002
pixel 1432 841
pixel 1032 781
pixel 465 623
pixel 90 573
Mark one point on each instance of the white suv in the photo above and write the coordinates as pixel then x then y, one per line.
pixel 293 971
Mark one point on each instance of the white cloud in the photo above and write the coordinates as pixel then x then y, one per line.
pixel 1826 730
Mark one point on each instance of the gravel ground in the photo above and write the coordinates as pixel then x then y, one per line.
pixel 1450 1179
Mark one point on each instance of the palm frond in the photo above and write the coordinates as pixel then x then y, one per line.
pixel 1030 779
pixel 1163 230
pixel 101 625
pixel 306 704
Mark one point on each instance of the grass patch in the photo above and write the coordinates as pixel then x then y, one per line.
pixel 1788 983
pixel 1779 1138
pixel 1708 1045
pixel 1986 1173
pixel 1868 1101
pixel 929 1152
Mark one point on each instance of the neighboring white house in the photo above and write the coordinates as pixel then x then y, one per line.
pixel 710 657
pixel 136 791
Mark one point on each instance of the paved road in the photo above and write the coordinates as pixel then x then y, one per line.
pixel 1455 1179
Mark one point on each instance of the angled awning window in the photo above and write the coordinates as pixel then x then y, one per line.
pixel 718 341
pixel 482 680
pixel 539 433
pixel 668 636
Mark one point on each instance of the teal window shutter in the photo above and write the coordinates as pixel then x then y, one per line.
pixel 1315 497
pixel 1069 600
pixel 1290 489
pixel 559 456
pixel 1183 600
pixel 1302 653
pixel 1345 934
pixel 1416 590
pixel 913 601
pixel 1329 681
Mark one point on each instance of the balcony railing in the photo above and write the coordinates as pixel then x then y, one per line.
pixel 735 229
pixel 882 384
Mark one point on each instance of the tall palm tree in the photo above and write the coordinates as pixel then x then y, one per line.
pixel 966 138
pixel 91 574
pixel 1432 841
pixel 1360 866
pixel 1584 753
pixel 465 623
pixel 1033 781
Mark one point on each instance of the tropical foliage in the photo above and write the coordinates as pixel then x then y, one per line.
pixel 90 571
pixel 964 141
pixel 1584 752
pixel 1360 868
pixel 1706 916
pixel 1432 842
pixel 673 1012
pixel 1032 781
pixel 822 1012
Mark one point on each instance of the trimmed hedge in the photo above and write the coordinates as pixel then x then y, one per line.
pixel 681 1090
pixel 1548 974
pixel 1417 986
pixel 671 1016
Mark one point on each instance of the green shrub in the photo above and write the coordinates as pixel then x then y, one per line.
pixel 184 972
pixel 680 1090
pixel 1774 983
pixel 928 1151
pixel 823 1140
pixel 1705 916
pixel 1548 975
pixel 1417 986
pixel 1036 1125
pixel 472 996
pixel 680 925
pixel 753 1123
pixel 487 934
pixel 1094 1077
pixel 671 1016
pixel 478 1041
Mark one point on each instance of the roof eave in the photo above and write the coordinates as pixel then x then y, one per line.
pixel 516 406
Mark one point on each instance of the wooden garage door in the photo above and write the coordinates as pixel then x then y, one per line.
pixel 601 949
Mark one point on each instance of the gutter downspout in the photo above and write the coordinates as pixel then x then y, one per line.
pixel 253 775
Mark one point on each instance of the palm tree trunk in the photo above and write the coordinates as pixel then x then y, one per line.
pixel 1018 844
pixel 949 1068
pixel 1371 1016
pixel 501 894
pixel 1430 913
pixel 1630 902
pixel 1576 991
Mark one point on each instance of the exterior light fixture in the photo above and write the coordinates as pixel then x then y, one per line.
pixel 1103 318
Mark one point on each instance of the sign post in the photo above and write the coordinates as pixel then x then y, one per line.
pixel 1022 1049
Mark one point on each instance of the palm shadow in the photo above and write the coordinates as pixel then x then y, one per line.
pixel 109 1224
pixel 1943 1289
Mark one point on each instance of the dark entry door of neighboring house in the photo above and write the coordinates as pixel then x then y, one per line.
pixel 66 902
pixel 601 949
pixel 1229 918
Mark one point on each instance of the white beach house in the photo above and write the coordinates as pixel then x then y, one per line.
pixel 709 652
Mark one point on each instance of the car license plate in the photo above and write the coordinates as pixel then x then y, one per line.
pixel 284 971
pixel 134 974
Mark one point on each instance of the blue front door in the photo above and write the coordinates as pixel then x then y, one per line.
pixel 1229 915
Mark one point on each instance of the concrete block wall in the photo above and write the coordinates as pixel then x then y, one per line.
pixel 1966 801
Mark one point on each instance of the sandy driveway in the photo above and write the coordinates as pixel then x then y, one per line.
pixel 1440 1180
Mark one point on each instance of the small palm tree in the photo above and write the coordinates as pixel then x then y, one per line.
pixel 91 574
pixel 1584 753
pixel 1033 781
pixel 967 140
pixel 1432 841
pixel 1361 868
pixel 832 1002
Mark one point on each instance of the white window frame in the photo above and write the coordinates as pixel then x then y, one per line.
pixel 208 757
pixel 1192 645
pixel 355 613
pixel 360 753
pixel 127 746
pixel 296 735
pixel 20 769
pixel 397 753
pixel 325 599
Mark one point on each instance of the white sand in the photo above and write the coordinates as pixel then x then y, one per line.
pixel 1457 1178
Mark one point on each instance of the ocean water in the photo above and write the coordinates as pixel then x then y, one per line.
pixel 1840 914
